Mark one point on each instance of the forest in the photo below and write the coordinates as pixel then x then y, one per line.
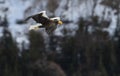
pixel 86 53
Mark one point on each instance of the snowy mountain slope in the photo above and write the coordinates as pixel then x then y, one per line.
pixel 15 11
pixel 70 10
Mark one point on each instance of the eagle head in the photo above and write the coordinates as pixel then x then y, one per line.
pixel 56 20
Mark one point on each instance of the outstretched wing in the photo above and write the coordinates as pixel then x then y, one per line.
pixel 39 18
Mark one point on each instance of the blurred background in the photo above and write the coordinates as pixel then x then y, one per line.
pixel 87 44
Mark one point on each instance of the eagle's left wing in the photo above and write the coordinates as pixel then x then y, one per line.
pixel 35 27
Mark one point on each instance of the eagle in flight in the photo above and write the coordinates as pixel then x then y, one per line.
pixel 50 24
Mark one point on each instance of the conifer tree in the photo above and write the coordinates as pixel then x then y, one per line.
pixel 37 45
pixel 8 54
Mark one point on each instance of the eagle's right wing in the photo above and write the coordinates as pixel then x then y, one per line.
pixel 39 18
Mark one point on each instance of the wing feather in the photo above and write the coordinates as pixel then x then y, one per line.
pixel 39 18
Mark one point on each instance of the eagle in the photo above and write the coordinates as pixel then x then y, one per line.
pixel 43 21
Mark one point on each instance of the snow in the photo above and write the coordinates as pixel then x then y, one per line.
pixel 1 34
pixel 15 12
pixel 108 16
pixel 70 10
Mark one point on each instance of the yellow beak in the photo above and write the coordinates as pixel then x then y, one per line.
pixel 60 22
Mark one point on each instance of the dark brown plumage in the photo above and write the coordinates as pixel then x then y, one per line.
pixel 50 24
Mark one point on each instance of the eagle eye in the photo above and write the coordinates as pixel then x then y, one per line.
pixel 55 20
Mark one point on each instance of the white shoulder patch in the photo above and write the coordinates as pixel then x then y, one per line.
pixel 44 14
pixel 35 27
